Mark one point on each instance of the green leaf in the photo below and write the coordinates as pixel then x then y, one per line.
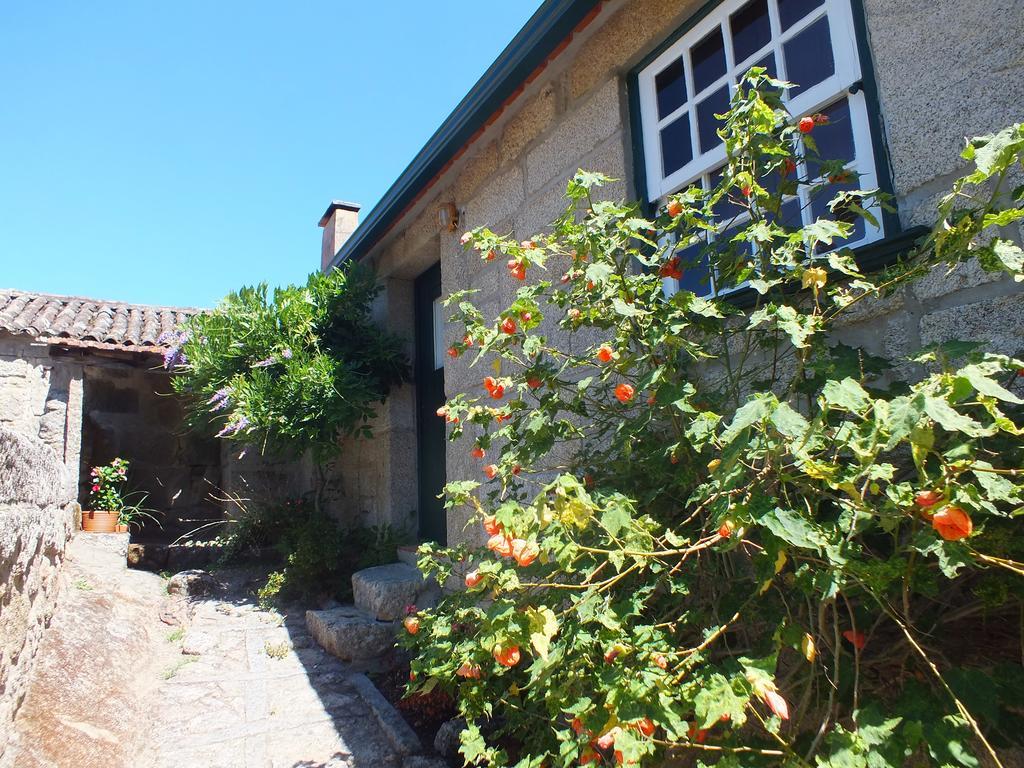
pixel 793 528
pixel 543 627
pixel 717 698
pixel 951 420
pixel 615 519
pixel 986 386
pixel 749 413
pixel 847 394
pixel 627 310
pixel 789 422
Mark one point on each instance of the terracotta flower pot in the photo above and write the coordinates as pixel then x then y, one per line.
pixel 101 522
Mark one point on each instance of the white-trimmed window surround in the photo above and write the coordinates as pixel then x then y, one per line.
pixel 809 42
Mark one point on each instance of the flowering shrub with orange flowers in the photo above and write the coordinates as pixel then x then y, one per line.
pixel 715 533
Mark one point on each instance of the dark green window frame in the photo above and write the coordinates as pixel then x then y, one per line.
pixel 871 256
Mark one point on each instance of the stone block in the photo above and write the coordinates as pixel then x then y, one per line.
pixel 496 201
pixel 351 634
pixel 528 123
pixel 623 39
pixel 575 136
pixel 30 472
pixel 479 168
pixel 192 583
pixel 998 322
pixel 384 591
pixel 956 92
pixel 941 280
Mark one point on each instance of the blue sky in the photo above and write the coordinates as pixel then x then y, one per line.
pixel 170 152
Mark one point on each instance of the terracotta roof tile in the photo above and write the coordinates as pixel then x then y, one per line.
pixel 89 323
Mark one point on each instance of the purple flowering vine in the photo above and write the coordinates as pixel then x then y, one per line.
pixel 234 427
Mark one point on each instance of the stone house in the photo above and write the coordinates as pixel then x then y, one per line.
pixel 629 88
pixel 85 377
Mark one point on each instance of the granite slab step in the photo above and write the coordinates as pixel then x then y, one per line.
pixel 351 634
pixel 385 591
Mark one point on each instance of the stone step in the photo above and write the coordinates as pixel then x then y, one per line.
pixel 351 634
pixel 385 591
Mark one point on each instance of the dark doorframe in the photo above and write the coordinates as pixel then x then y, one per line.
pixel 430 429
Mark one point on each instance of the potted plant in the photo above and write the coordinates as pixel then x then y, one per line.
pixel 113 510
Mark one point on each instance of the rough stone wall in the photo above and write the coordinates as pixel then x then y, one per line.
pixel 41 396
pixel 934 87
pixel 37 517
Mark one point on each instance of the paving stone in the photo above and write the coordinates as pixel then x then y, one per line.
pixel 233 706
pixel 196 643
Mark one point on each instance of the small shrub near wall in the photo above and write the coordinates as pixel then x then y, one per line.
pixel 765 550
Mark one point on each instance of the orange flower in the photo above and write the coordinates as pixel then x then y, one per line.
pixel 645 726
pixel 524 552
pixel 507 657
pixel 856 638
pixel 624 392
pixel 500 544
pixel 952 523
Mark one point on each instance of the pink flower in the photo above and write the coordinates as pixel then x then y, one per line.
pixel 777 704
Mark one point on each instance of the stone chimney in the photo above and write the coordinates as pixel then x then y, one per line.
pixel 338 222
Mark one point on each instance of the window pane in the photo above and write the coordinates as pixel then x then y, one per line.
pixel 696 271
pixel 725 210
pixel 708 58
pixel 670 85
pixel 809 55
pixel 791 11
pixel 834 140
pixel 732 257
pixel 751 30
pixel 676 149
pixel 768 62
pixel 819 209
pixel 707 123
pixel 789 214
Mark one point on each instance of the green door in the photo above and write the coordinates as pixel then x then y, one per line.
pixel 430 429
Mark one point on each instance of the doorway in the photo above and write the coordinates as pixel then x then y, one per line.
pixel 430 430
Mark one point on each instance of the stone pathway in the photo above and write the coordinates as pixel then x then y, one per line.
pixel 239 688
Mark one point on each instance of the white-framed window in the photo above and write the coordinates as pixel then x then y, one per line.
pixel 809 42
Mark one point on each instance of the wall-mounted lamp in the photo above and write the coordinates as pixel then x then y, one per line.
pixel 448 217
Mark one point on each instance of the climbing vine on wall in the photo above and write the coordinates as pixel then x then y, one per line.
pixel 711 528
